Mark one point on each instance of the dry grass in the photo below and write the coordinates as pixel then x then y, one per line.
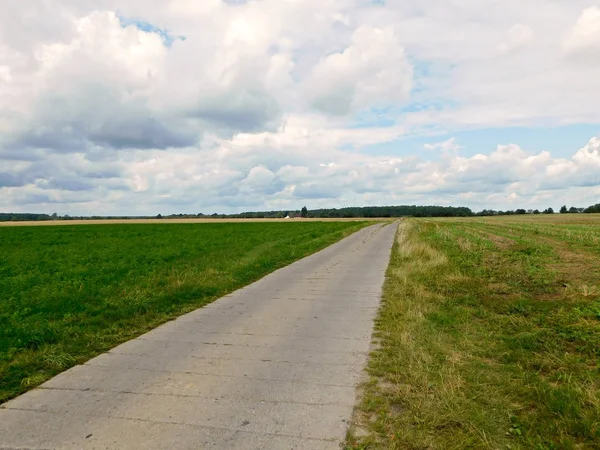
pixel 488 337
pixel 589 219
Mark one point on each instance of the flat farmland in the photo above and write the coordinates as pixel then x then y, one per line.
pixel 166 221
pixel 488 337
pixel 68 293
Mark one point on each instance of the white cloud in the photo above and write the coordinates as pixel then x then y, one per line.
pixel 124 106
pixel 231 178
pixel 371 72
pixel 446 146
pixel 517 37
pixel 584 38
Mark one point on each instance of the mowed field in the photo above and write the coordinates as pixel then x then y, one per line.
pixel 488 337
pixel 68 293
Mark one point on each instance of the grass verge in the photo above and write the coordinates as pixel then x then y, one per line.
pixel 488 337
pixel 69 293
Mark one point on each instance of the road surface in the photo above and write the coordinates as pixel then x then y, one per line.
pixel 274 365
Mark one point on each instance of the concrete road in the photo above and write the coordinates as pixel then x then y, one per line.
pixel 274 365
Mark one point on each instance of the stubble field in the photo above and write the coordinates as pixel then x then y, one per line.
pixel 488 337
pixel 68 293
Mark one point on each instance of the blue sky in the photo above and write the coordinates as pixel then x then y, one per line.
pixel 559 140
pixel 142 25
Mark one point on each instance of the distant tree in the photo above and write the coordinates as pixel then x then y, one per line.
pixel 563 209
pixel 159 216
pixel 304 212
pixel 520 211
pixel 548 211
pixel 536 211
pixel 593 209
pixel 573 210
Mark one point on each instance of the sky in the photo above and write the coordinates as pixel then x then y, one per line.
pixel 141 107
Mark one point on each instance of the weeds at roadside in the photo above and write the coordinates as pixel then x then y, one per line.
pixel 484 343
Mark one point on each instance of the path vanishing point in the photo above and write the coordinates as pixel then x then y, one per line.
pixel 274 365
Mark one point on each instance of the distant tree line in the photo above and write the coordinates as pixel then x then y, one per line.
pixel 31 217
pixel 352 212
pixel 563 210
pixel 593 209
pixel 365 211
pixel 491 212
pixel 23 217
pixel 571 210
pixel 394 211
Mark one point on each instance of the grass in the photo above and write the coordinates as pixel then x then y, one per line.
pixel 488 337
pixel 68 293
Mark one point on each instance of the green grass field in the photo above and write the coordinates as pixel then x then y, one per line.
pixel 488 337
pixel 68 293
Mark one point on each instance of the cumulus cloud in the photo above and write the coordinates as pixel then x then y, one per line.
pixel 242 177
pixel 584 38
pixel 92 90
pixel 517 37
pixel 371 72
pixel 446 146
pixel 125 106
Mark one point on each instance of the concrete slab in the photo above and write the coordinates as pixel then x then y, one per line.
pixel 342 375
pixel 271 366
pixel 281 418
pixel 139 381
pixel 162 348
pixel 67 431
pixel 291 341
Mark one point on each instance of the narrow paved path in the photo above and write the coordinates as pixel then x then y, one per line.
pixel 271 366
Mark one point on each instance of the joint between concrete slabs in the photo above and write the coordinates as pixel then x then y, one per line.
pixel 164 341
pixel 222 375
pixel 207 397
pixel 185 424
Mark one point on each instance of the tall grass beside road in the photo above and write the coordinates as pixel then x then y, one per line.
pixel 488 337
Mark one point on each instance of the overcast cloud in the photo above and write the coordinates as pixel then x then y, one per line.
pixel 146 107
